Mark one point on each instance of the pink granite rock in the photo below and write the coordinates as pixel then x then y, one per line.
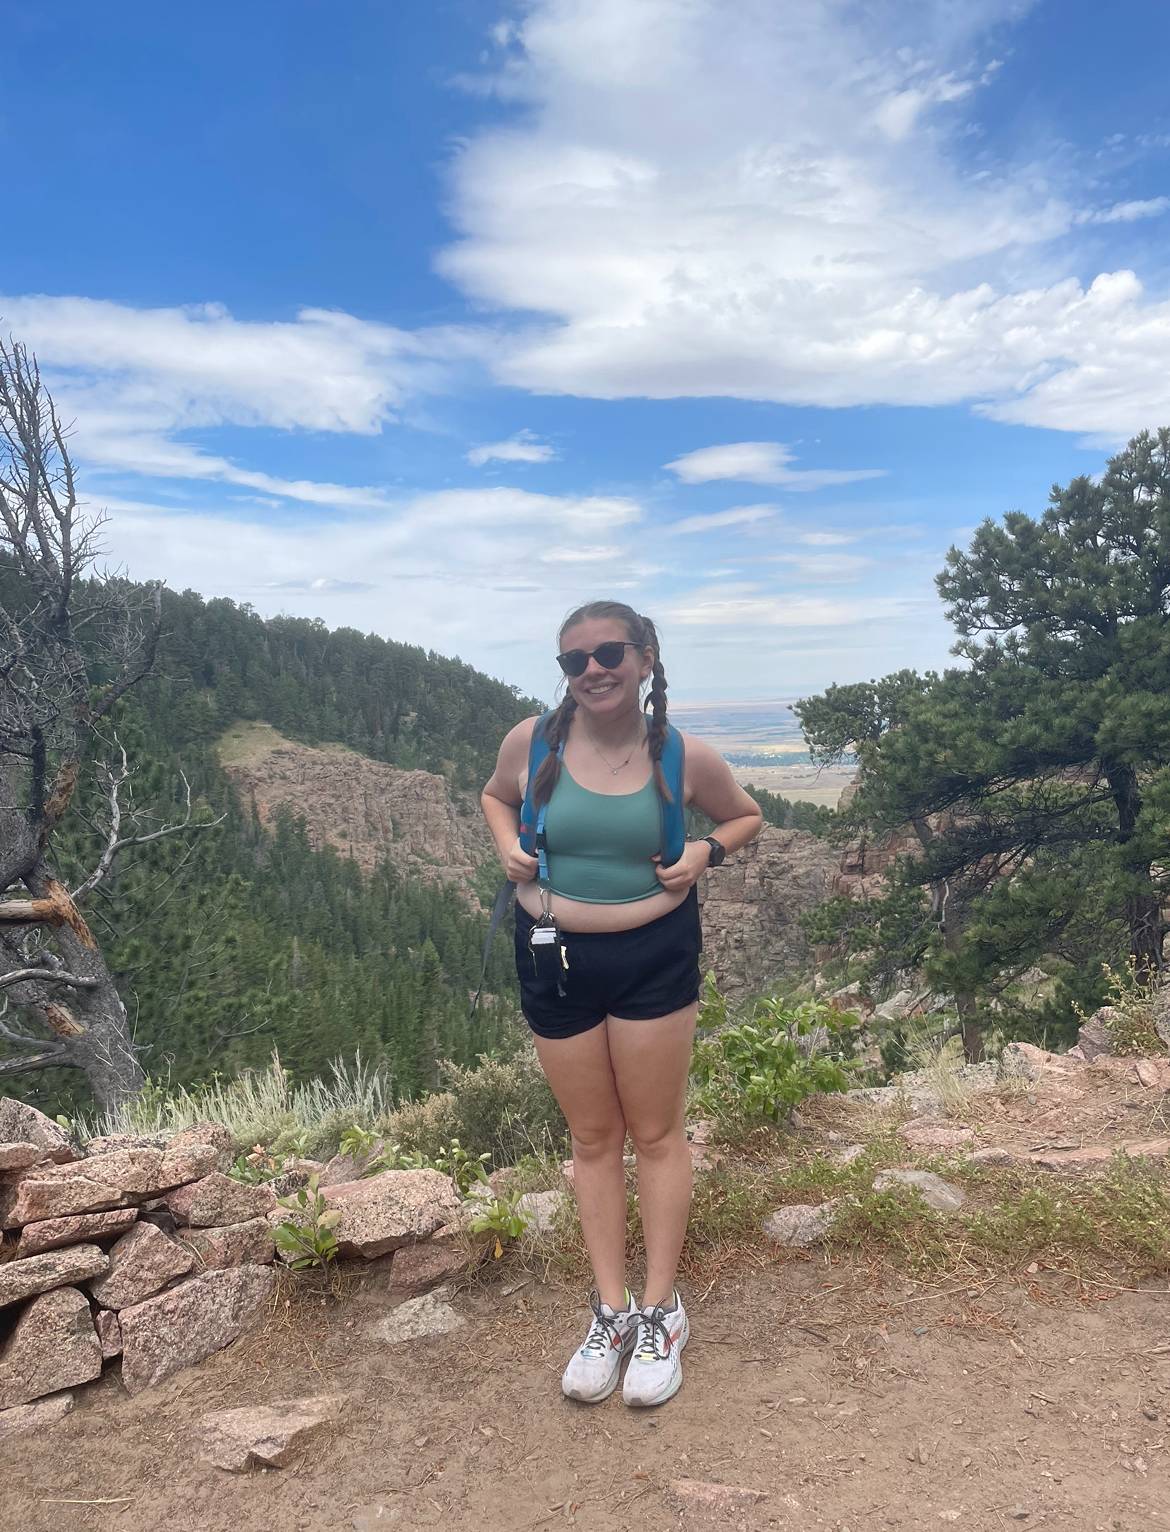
pixel 53 1345
pixel 109 1331
pixel 1092 1155
pixel 20 1156
pixel 385 1211
pixel 56 1268
pixel 82 1228
pixel 266 1435
pixel 212 1134
pixel 935 1135
pixel 217 1199
pixel 34 1417
pixel 418 1268
pixel 189 1322
pixel 231 1244
pixel 20 1123
pixel 142 1262
pixel 101 1181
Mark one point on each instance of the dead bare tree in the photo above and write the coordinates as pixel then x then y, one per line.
pixel 72 643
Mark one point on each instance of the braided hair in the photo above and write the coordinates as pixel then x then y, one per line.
pixel 642 632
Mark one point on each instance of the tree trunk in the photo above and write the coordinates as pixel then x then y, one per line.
pixel 1143 906
pixel 89 1025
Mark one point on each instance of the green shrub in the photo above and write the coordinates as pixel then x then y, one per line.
pixel 501 1107
pixel 1131 1003
pixel 758 1070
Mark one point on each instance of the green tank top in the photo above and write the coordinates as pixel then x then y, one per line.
pixel 600 844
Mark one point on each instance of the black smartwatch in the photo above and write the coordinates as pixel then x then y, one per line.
pixel 718 851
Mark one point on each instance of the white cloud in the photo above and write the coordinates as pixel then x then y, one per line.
pixel 761 463
pixel 524 447
pixel 824 566
pixel 747 606
pixel 737 516
pixel 137 378
pixel 1126 212
pixel 811 230
pixel 827 539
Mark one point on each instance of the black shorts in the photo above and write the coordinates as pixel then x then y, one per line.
pixel 639 974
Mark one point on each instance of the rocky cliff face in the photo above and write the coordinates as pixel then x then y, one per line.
pixel 752 907
pixel 365 809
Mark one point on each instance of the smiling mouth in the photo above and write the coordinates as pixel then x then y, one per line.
pixel 601 689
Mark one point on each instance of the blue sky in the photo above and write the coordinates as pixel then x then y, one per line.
pixel 433 318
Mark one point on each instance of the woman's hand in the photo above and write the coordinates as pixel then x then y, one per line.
pixel 687 870
pixel 518 865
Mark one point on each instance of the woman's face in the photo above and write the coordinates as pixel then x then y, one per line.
pixel 605 693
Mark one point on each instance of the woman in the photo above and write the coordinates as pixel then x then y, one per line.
pixel 614 1016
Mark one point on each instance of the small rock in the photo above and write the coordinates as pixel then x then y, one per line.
pixel 722 1499
pixel 142 1262
pixel 418 1268
pixel 20 1156
pixel 992 1156
pixel 230 1244
pixel 799 1226
pixel 1099 1154
pixel 34 1417
pixel 936 1193
pixel 216 1199
pixel 418 1319
pixel 383 1212
pixel 935 1135
pixel 847 1155
pixel 267 1434
pixel 53 1346
pixel 55 1268
pixel 109 1331
pixel 1094 1038
pixel 81 1229
pixel 20 1123
pixel 1025 1061
pixel 541 1210
pixel 214 1135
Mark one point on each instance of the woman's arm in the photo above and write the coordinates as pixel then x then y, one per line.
pixel 501 801
pixel 714 792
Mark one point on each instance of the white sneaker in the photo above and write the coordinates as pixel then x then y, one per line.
pixel 592 1373
pixel 655 1371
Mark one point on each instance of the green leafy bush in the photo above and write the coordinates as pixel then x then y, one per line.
pixel 306 1238
pixel 758 1070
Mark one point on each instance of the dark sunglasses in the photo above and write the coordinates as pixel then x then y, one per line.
pixel 575 662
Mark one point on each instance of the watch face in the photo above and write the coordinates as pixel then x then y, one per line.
pixel 718 851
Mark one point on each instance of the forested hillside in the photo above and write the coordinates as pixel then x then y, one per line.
pixel 228 942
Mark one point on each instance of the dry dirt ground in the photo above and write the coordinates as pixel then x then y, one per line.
pixel 854 1400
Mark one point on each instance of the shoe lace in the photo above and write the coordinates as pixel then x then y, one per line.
pixel 652 1328
pixel 602 1332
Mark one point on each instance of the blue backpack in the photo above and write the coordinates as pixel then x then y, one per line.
pixel 672 817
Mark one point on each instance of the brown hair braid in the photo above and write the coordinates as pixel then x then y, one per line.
pixel 641 631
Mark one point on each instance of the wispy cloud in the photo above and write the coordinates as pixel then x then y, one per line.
pixel 524 447
pixel 141 380
pixel 761 463
pixel 738 516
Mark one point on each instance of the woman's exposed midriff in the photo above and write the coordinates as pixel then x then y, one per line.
pixel 573 915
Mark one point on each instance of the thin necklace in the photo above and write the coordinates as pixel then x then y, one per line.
pixel 613 770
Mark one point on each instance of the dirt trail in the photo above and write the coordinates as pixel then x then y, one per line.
pixel 855 1403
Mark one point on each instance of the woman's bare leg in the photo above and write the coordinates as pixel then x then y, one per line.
pixel 581 1075
pixel 651 1061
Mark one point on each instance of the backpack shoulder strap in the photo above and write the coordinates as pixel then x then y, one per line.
pixel 674 813
pixel 537 750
